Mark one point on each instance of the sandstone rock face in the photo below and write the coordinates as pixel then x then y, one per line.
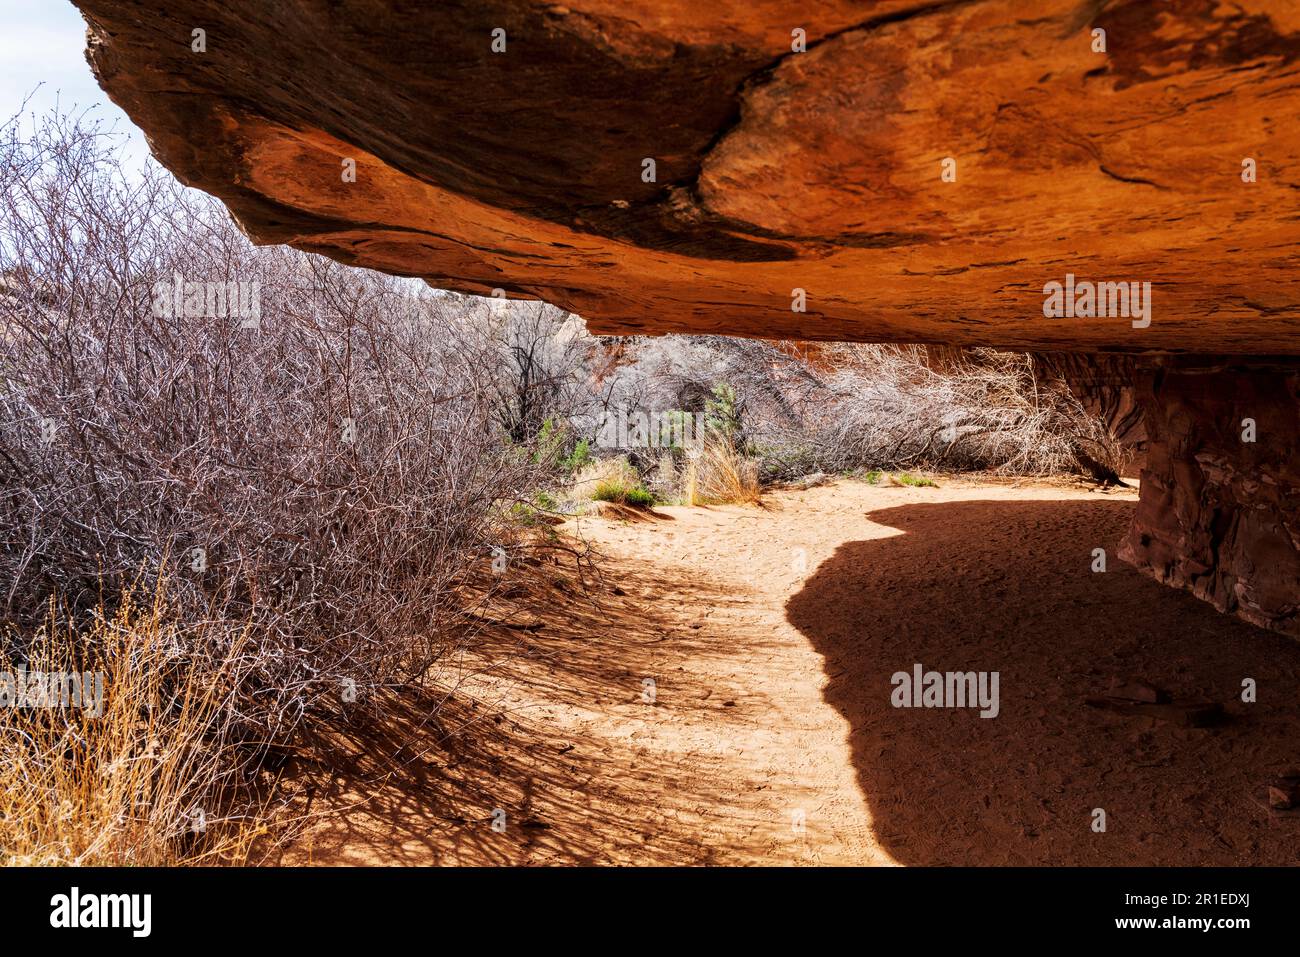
pixel 903 170
pixel 775 170
pixel 1220 506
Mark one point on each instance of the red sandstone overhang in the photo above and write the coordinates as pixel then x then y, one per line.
pixel 775 170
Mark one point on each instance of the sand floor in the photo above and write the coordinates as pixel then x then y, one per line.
pixel 723 697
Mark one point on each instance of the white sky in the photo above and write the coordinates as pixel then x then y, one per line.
pixel 42 49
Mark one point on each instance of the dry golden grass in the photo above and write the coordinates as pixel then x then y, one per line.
pixel 142 783
pixel 603 472
pixel 719 475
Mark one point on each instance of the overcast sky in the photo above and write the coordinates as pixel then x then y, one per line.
pixel 42 49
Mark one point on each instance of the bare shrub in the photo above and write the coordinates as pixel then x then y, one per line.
pixel 323 478
pixel 537 371
pixel 843 406
pixel 890 407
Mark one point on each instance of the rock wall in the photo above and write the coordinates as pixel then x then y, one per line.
pixel 1219 512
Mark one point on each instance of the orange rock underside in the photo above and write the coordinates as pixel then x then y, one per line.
pixel 819 170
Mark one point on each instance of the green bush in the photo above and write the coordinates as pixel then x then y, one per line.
pixel 555 443
pixel 722 414
pixel 578 458
pixel 639 497
pixel 913 481
pixel 613 491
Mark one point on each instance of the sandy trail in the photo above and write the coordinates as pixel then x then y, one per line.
pixel 728 702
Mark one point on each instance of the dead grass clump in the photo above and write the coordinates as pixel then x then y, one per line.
pixel 141 770
pixel 717 474
pixel 603 473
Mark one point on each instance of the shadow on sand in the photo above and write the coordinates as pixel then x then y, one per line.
pixel 1007 587
pixel 423 780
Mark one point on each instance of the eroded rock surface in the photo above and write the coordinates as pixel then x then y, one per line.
pixel 775 170
pixel 1220 507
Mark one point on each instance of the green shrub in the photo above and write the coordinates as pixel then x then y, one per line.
pixel 914 482
pixel 675 425
pixel 614 491
pixel 550 442
pixel 555 443
pixel 580 457
pixel 536 512
pixel 639 497
pixel 722 414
